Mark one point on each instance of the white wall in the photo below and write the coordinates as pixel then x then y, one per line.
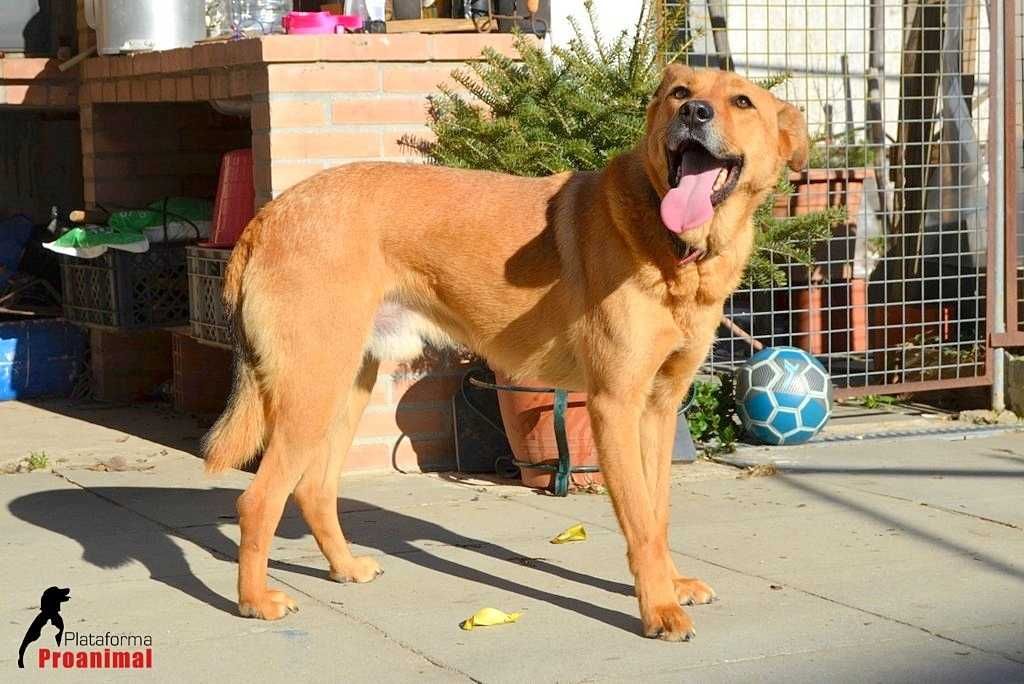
pixel 613 17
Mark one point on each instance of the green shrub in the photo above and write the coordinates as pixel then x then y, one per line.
pixel 712 413
pixel 569 110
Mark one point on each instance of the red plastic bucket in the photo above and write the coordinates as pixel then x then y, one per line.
pixel 233 207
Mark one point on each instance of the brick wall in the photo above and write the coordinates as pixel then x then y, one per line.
pixel 39 137
pixel 133 154
pixel 36 82
pixel 39 164
pixel 313 102
pixel 408 423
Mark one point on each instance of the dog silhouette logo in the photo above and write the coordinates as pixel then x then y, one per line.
pixel 49 611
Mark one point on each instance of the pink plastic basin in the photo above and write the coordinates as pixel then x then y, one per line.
pixel 309 22
pixel 349 22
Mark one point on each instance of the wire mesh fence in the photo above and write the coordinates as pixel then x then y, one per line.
pixel 883 278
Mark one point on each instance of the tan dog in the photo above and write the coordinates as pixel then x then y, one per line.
pixel 611 283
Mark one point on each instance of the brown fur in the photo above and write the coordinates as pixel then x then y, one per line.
pixel 571 280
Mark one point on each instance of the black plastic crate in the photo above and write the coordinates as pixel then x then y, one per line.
pixel 125 290
pixel 207 315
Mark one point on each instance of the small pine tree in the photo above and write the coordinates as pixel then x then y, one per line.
pixel 576 107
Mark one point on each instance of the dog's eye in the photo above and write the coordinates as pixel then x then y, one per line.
pixel 743 102
pixel 680 93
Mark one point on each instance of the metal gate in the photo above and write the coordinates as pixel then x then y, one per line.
pixel 1013 37
pixel 888 274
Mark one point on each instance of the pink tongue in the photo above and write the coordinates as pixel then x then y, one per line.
pixel 689 204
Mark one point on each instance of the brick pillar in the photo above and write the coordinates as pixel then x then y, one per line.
pixel 354 103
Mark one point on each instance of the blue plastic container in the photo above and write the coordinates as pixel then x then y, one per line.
pixel 39 358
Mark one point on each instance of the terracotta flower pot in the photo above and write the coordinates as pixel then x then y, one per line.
pixel 819 189
pixel 831 317
pixel 897 323
pixel 529 425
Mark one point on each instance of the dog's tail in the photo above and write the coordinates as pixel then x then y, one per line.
pixel 239 433
pixel 240 256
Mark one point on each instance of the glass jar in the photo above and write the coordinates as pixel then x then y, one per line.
pixel 216 17
pixel 262 15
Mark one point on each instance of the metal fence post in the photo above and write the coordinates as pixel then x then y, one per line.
pixel 999 232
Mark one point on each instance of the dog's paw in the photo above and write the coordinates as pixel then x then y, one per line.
pixel 271 605
pixel 362 569
pixel 668 623
pixel 690 590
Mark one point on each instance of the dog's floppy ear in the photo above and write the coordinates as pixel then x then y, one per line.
pixel 794 145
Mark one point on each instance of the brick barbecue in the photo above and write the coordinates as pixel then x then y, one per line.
pixel 303 103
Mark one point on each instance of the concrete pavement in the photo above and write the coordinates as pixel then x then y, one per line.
pixel 891 561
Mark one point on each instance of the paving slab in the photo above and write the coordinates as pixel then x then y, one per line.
pixel 578 614
pixel 887 562
pixel 83 432
pixel 920 659
pixel 195 641
pixel 983 476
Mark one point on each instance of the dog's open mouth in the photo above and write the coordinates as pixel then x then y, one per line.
pixel 699 181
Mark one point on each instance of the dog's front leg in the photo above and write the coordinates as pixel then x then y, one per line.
pixel 657 437
pixel 616 427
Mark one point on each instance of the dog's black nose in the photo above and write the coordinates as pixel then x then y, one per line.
pixel 696 113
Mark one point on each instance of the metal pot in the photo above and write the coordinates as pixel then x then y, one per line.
pixel 407 9
pixel 138 25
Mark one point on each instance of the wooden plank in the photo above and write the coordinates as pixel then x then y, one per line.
pixel 431 26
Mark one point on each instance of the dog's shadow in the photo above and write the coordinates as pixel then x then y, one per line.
pixel 65 512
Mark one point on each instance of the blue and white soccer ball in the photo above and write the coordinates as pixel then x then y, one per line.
pixel 783 395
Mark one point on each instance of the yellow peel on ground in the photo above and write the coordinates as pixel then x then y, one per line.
pixel 488 617
pixel 573 534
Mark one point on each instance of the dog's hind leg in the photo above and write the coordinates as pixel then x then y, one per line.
pixel 259 512
pixel 317 491
pixel 306 389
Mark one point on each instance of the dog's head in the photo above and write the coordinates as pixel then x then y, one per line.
pixel 52 598
pixel 715 144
